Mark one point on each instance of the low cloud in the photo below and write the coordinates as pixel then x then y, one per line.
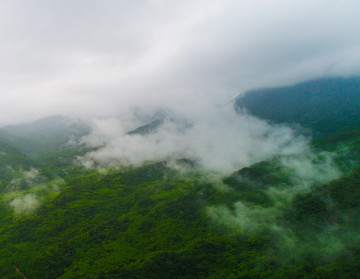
pixel 299 174
pixel 28 200
pixel 99 58
pixel 24 179
pixel 216 138
pixel 294 175
pixel 244 218
pixel 305 171
pixel 25 204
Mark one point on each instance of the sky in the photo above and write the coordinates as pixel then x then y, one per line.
pixel 98 58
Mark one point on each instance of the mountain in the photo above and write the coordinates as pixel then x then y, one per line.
pixel 43 135
pixel 323 105
pixel 155 121
pixel 290 216
pixel 147 128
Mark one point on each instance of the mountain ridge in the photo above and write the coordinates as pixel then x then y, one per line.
pixel 290 216
pixel 323 105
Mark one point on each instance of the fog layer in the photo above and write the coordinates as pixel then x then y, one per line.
pixel 217 139
pixel 96 58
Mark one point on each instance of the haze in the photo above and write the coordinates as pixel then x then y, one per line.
pixel 98 58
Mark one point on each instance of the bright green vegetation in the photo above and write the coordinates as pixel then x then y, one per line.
pixel 288 217
pixel 12 163
pixel 153 222
pixel 142 223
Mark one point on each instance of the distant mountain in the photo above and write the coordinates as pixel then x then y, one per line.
pixel 324 105
pixel 147 128
pixel 291 216
pixel 43 135
pixel 155 121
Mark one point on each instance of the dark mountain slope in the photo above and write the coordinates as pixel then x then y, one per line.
pixel 324 105
pixel 161 117
pixel 147 128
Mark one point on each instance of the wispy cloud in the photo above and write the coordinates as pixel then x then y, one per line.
pixel 217 139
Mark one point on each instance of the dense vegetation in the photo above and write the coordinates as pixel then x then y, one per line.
pixel 11 163
pixel 267 220
pixel 152 222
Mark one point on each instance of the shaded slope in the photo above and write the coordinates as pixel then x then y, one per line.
pixel 147 128
pixel 324 105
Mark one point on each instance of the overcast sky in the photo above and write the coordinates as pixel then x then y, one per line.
pixel 98 57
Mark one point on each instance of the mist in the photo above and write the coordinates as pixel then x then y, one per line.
pixel 216 138
pixel 291 240
pixel 26 204
pixel 95 59
pixel 26 192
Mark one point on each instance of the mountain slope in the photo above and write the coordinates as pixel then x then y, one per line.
pixel 292 216
pixel 43 135
pixel 324 105
pixel 152 222
pixel 147 128
pixel 12 162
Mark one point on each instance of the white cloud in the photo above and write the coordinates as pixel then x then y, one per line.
pixel 98 58
pixel 25 204
pixel 218 139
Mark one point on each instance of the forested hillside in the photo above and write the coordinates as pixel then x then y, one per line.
pixel 323 105
pixel 293 215
pixel 157 222
pixel 151 222
pixel 130 147
pixel 12 162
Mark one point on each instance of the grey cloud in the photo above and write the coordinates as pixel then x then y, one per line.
pixel 97 58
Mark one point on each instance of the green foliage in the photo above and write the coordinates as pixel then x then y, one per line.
pixel 154 222
pixel 12 163
pixel 151 222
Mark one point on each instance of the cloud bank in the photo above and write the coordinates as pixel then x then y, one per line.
pixel 217 139
pixel 96 58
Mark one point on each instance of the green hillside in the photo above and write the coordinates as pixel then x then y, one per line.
pixel 154 222
pixel 292 216
pixel 12 163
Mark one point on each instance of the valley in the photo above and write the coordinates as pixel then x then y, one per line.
pixel 284 215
